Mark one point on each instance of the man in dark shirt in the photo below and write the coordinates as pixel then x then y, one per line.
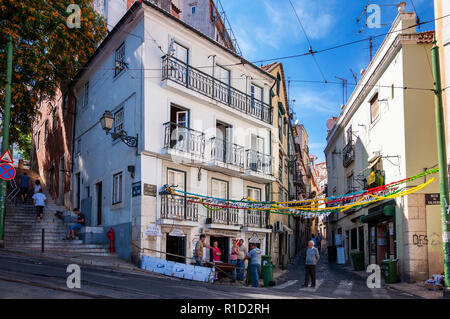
pixel 79 223
pixel 24 182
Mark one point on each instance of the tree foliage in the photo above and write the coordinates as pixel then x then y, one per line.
pixel 47 53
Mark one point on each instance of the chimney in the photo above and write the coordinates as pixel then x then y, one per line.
pixel 401 7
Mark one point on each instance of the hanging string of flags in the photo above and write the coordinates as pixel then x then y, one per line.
pixel 312 207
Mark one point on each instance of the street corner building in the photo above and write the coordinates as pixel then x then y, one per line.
pixel 187 112
pixel 386 133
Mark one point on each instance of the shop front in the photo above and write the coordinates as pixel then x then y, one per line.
pixel 382 232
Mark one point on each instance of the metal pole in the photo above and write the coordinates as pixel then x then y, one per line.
pixel 43 241
pixel 442 156
pixel 5 141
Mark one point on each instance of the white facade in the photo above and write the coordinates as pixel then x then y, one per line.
pixel 399 140
pixel 153 91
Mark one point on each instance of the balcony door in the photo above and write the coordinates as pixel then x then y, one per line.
pixel 257 146
pixel 219 189
pixel 177 179
pixel 180 128
pixel 256 94
pixel 222 89
pixel 223 140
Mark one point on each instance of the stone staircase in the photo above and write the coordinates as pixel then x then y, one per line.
pixel 23 231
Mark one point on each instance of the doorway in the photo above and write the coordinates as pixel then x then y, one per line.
pixel 179 118
pixel 347 245
pixel 99 191
pixel 223 140
pixel 224 245
pixel 177 246
pixel 280 249
pixel 78 194
pixel 361 241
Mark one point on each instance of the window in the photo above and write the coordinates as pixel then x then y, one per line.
pixel 118 121
pixel 285 126
pixel 223 75
pixel 374 108
pixel 180 52
pixel 176 179
pixel 280 168
pixel 54 118
pixel 193 9
pixel 117 188
pixel 350 183
pixel 46 130
pixel 256 93
pixel 65 104
pixel 278 83
pixel 86 95
pixel 286 167
pixel 38 140
pixel 280 128
pixel 219 188
pixel 119 59
pixel 254 193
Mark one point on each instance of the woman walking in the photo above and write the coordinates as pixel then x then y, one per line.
pixel 216 255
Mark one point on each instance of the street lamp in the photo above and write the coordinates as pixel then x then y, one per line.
pixel 107 122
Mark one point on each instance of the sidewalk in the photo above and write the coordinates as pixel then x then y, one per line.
pixel 76 258
pixel 417 289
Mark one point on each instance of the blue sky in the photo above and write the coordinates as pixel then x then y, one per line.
pixel 269 29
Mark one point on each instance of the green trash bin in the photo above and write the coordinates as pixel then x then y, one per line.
pixel 358 262
pixel 267 274
pixel 390 270
pixel 266 259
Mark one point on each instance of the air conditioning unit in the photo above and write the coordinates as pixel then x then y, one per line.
pixel 278 227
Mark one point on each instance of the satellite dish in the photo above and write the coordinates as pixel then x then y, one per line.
pixel 331 123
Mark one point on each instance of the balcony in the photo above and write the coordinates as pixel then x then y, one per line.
pixel 180 140
pixel 348 154
pixel 178 208
pixel 205 84
pixel 258 167
pixel 225 157
pixel 228 216
pixel 255 219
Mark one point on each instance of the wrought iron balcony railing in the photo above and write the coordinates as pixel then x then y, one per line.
pixel 227 152
pixel 348 154
pixel 255 218
pixel 177 207
pixel 184 139
pixel 227 216
pixel 203 83
pixel 258 162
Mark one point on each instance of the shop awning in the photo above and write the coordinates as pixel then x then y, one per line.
pixel 382 213
pixel 281 109
pixel 372 163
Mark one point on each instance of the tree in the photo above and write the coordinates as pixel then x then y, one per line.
pixel 47 53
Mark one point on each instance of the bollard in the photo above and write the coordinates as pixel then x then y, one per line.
pixel 43 240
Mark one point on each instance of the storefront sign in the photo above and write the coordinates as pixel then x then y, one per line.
pixel 149 190
pixel 220 232
pixel 136 189
pixel 176 232
pixel 254 240
pixel 152 230
pixel 433 199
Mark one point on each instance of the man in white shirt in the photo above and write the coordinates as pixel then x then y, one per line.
pixel 39 200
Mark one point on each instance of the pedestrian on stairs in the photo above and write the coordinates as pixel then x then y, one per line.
pixel 37 186
pixel 24 182
pixel 39 200
pixel 79 223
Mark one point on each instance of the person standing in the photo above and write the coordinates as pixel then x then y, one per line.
pixel 235 251
pixel 24 184
pixel 255 266
pixel 319 242
pixel 216 256
pixel 312 258
pixel 198 253
pixel 37 186
pixel 313 238
pixel 39 200
pixel 241 260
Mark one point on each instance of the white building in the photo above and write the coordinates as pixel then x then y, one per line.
pixel 387 131
pixel 202 125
